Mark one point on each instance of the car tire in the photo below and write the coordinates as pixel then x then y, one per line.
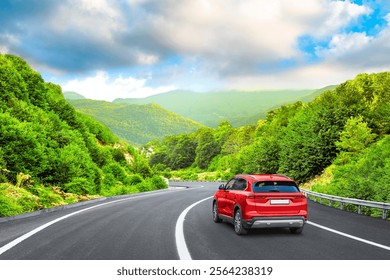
pixel 296 230
pixel 216 218
pixel 238 225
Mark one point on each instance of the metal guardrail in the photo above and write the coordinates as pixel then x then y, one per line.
pixel 343 200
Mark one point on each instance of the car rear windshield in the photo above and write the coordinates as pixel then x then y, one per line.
pixel 275 186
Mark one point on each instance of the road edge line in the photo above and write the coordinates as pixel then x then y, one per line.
pixel 181 244
pixel 20 239
pixel 350 236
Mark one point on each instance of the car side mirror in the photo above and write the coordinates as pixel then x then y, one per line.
pixel 221 187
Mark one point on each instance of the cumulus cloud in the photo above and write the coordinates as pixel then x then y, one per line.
pixel 103 87
pixel 387 18
pixel 342 44
pixel 224 40
pixel 228 34
pixel 236 36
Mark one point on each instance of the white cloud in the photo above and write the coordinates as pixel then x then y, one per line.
pixel 7 39
pixel 307 77
pixel 387 18
pixel 195 43
pixel 3 49
pixel 343 43
pixel 338 14
pixel 235 36
pixel 103 87
pixel 96 19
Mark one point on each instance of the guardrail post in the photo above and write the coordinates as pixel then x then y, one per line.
pixel 384 214
pixel 330 203
pixel 359 209
pixel 342 205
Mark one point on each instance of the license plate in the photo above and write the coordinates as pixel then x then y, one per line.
pixel 280 201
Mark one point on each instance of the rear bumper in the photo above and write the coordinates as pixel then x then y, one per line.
pixel 276 222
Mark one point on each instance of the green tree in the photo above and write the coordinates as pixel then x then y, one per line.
pixel 12 86
pixel 35 87
pixel 206 149
pixel 356 135
pixel 184 153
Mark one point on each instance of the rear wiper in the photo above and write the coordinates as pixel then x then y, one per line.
pixel 274 191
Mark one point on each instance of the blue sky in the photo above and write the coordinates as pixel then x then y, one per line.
pixel 134 48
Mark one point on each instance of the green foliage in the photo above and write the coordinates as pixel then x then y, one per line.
pixel 52 155
pixel 8 205
pixel 206 149
pixel 136 124
pixel 133 179
pixel 80 186
pixel 306 147
pixel 158 182
pixel 335 132
pixel 356 135
pixel 260 157
pixel 239 108
pixel 365 175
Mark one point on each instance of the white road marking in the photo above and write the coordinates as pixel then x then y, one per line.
pixel 184 254
pixel 181 244
pixel 18 240
pixel 350 236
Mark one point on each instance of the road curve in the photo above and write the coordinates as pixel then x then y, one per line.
pixel 144 227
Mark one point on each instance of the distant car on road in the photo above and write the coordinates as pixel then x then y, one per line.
pixel 260 201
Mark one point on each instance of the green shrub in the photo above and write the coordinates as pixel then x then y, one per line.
pixel 9 207
pixel 144 186
pixel 80 186
pixel 47 197
pixel 158 183
pixel 133 179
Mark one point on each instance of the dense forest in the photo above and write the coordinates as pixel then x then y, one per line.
pixel 51 155
pixel 338 143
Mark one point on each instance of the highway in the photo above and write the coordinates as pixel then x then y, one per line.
pixel 147 226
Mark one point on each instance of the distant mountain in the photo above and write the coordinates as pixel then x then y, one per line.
pixel 137 124
pixel 70 95
pixel 237 107
pixel 316 93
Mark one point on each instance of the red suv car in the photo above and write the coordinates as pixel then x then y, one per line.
pixel 260 201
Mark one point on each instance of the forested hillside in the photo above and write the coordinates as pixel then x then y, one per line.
pixel 51 155
pixel 137 124
pixel 237 107
pixel 344 130
pixel 70 95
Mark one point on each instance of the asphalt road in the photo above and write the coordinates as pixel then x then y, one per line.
pixel 142 227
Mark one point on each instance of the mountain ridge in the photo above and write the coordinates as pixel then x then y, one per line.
pixel 237 107
pixel 136 123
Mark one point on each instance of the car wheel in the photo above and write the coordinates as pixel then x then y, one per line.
pixel 216 218
pixel 238 226
pixel 296 230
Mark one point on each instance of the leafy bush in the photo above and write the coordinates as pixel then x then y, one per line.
pixel 9 207
pixel 80 186
pixel 47 197
pixel 16 200
pixel 133 179
pixel 144 186
pixel 158 183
